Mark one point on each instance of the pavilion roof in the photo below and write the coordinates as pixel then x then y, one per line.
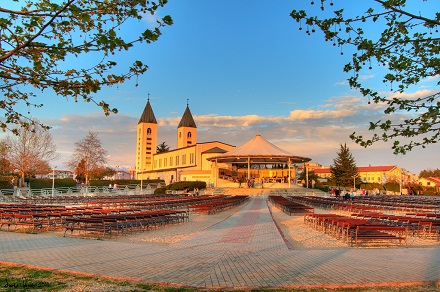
pixel 258 150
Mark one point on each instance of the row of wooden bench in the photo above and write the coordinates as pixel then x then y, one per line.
pixel 355 231
pixel 289 207
pixel 217 206
pixel 95 222
pixel 400 204
pixel 124 223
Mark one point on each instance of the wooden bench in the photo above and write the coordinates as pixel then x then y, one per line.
pixel 6 219
pixel 379 235
pixel 90 225
pixel 26 221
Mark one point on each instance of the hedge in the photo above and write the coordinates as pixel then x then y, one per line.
pixel 181 185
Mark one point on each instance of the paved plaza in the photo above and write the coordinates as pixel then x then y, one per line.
pixel 244 251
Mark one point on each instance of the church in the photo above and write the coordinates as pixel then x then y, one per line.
pixel 188 162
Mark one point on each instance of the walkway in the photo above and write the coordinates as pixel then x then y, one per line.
pixel 243 251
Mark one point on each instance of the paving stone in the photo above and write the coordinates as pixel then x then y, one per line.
pixel 245 250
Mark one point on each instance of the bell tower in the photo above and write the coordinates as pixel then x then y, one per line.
pixel 187 130
pixel 146 139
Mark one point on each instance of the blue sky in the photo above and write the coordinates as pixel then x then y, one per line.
pixel 245 68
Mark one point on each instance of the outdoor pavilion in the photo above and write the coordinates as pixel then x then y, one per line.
pixel 257 151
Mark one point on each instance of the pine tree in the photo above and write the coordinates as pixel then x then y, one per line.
pixel 344 168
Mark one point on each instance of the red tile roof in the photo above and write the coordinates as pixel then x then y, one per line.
pixel 360 169
pixel 435 180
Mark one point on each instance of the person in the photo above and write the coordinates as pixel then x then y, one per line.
pixel 337 193
pixel 196 191
pixel 110 186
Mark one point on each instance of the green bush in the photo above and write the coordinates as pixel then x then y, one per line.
pixel 160 191
pixel 5 184
pixel 392 187
pixel 191 185
pixel 43 183
pixel 104 183
pixel 6 181
pixel 371 186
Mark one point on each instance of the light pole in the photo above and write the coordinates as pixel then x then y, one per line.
pixel 307 175
pixel 142 178
pixel 354 181
pixel 53 180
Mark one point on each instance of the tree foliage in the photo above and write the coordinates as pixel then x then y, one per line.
pixel 5 165
pixel 31 150
pixel 311 175
pixel 430 173
pixel 45 44
pixel 407 47
pixel 344 170
pixel 102 172
pixel 88 157
pixel 162 147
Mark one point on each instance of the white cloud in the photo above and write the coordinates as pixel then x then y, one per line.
pixel 315 133
pixel 413 95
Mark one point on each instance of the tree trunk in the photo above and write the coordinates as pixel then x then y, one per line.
pixel 22 183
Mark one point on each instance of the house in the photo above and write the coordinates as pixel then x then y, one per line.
pixel 59 174
pixel 371 174
pixel 431 182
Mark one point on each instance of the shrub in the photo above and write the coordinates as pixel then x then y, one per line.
pixel 104 183
pixel 181 185
pixel 160 191
pixel 42 183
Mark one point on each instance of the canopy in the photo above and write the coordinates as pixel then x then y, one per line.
pixel 258 151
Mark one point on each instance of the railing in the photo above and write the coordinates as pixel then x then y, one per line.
pixel 13 195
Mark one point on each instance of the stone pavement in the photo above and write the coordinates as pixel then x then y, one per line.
pixel 244 251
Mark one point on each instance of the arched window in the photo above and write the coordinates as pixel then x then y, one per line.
pixel 149 131
pixel 189 135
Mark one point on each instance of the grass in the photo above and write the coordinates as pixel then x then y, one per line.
pixel 20 278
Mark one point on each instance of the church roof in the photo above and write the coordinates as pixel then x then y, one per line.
pixel 215 150
pixel 148 115
pixel 187 119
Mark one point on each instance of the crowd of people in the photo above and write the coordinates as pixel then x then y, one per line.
pixel 352 193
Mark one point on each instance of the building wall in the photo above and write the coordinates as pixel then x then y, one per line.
pixel 146 146
pixel 185 164
pixel 186 136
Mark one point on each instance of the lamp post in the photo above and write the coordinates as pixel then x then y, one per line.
pixel 354 181
pixel 142 179
pixel 307 175
pixel 53 180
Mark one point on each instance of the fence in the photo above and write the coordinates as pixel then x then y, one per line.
pixel 13 195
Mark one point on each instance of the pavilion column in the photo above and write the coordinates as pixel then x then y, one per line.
pixel 249 169
pixel 288 163
pixel 216 173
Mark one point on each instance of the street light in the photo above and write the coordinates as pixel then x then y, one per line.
pixel 354 180
pixel 307 175
pixel 142 178
pixel 53 180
